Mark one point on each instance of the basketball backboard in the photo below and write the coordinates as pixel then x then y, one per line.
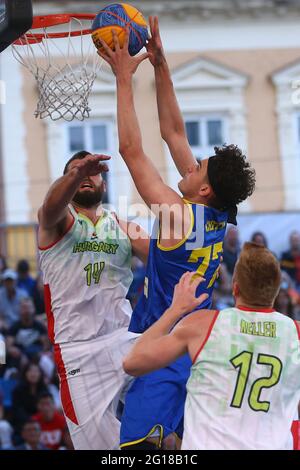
pixel 15 20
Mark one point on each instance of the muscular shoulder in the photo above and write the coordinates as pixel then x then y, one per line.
pixel 195 329
pixel 199 317
pixel 48 235
pixel 197 322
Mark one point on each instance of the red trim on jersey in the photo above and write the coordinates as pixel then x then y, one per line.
pixel 49 313
pixel 256 310
pixel 65 394
pixel 207 336
pixel 298 328
pixel 296 434
pixel 116 217
pixel 43 248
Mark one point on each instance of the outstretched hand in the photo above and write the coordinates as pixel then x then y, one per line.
pixel 92 165
pixel 184 297
pixel 154 45
pixel 122 63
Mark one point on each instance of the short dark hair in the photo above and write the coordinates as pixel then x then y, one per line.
pixel 259 234
pixel 230 175
pixel 23 266
pixel 28 422
pixel 77 156
pixel 45 395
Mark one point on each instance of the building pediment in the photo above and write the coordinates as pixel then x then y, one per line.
pixel 287 75
pixel 184 9
pixel 204 73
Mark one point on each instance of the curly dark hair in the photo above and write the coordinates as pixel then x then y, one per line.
pixel 230 175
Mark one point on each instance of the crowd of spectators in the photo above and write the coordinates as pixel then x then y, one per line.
pixel 288 299
pixel 30 409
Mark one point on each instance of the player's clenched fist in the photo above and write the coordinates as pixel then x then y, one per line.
pixel 92 165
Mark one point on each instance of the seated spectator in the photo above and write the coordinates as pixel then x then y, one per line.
pixel 231 249
pixel 3 328
pixel 25 281
pixel 290 260
pixel 27 334
pixel 260 239
pixel 2 349
pixel 283 304
pixel 10 298
pixel 222 294
pixel 6 430
pixel 68 444
pixel 15 363
pixel 288 285
pixel 26 394
pixel 38 295
pixel 31 435
pixel 3 266
pixel 52 423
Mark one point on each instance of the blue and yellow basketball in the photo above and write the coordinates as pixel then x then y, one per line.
pixel 117 16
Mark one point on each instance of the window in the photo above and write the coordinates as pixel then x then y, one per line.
pixel 294 155
pixel 76 138
pixel 91 137
pixel 204 133
pixel 193 133
pixel 95 137
pixel 298 132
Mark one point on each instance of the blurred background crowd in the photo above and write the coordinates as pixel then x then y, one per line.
pixel 30 409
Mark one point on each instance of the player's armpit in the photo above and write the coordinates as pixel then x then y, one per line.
pixel 197 326
pixel 157 354
pixel 163 201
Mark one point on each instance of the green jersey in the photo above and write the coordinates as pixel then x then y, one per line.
pixel 244 387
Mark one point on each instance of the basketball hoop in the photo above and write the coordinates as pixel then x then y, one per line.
pixel 65 71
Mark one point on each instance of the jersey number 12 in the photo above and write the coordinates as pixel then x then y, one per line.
pixel 243 363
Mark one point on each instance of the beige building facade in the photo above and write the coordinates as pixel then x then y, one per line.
pixel 236 71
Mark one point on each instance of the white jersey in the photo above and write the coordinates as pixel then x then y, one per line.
pixel 87 274
pixel 244 387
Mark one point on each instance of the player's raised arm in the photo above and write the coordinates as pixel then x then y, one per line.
pixel 138 237
pixel 157 347
pixel 54 214
pixel 146 177
pixel 172 126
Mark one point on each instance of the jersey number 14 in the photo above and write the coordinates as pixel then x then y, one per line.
pixel 93 272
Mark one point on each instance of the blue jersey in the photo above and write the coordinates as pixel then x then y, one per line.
pixel 200 251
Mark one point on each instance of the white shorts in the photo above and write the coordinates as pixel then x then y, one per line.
pixel 92 381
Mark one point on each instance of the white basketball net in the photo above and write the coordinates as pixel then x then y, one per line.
pixel 64 69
